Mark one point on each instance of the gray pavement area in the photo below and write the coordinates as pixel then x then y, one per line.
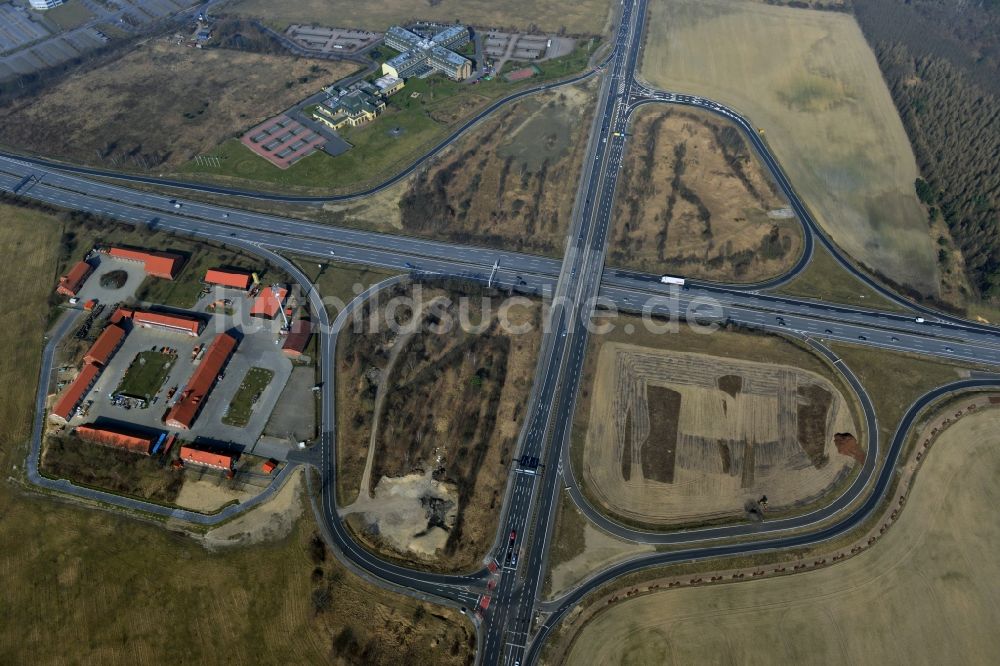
pixel 294 419
pixel 104 264
pixel 259 347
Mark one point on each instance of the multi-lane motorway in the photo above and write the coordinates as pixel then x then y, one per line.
pixel 511 630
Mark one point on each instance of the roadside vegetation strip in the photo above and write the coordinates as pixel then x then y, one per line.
pixel 253 385
pixel 918 556
pixel 694 199
pixel 824 279
pixel 823 124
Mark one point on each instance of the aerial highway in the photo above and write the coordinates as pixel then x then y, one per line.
pixel 628 290
pixel 514 628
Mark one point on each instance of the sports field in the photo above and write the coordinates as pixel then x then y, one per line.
pixel 809 80
pixel 577 17
pixel 926 594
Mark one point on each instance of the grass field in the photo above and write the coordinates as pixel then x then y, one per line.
pixel 585 16
pixel 925 594
pixel 81 582
pixel 580 549
pixel 824 279
pixel 127 115
pixel 895 381
pixel 241 407
pixel 146 374
pixel 694 200
pixel 407 128
pixel 682 428
pixel 428 422
pixel 339 283
pixel 810 81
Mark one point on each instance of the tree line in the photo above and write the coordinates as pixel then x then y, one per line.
pixel 954 127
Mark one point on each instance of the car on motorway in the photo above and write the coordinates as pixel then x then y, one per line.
pixel 894 339
pixel 861 337
pixel 828 332
pixel 948 349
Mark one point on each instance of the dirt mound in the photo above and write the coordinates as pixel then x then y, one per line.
pixel 731 384
pixel 848 445
pixel 114 279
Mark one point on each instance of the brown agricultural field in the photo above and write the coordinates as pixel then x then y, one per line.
pixel 681 438
pixel 127 114
pixel 925 594
pixel 810 82
pixel 694 200
pixel 580 17
pixel 81 581
pixel 428 420
pixel 682 428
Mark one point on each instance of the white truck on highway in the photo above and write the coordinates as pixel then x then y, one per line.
pixel 669 279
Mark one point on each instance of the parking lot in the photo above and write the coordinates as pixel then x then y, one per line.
pixel 92 289
pixel 259 347
pixel 331 40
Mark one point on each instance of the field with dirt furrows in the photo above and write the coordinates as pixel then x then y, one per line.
pixel 685 437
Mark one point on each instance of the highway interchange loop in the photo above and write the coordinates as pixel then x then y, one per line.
pixel 508 633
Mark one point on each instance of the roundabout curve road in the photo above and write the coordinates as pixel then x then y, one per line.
pixel 856 518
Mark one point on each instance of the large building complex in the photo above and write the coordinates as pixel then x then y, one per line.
pixel 44 4
pixel 229 277
pixel 158 264
pixel 422 56
pixel 188 406
pixel 207 458
pixel 117 437
pixel 353 107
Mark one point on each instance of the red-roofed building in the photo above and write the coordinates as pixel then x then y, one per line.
pixel 187 407
pixel 116 437
pixel 105 346
pixel 197 456
pixel 228 278
pixel 69 284
pixel 168 322
pixel 74 394
pixel 119 314
pixel 158 264
pixel 269 302
pixel 298 338
pixel 269 466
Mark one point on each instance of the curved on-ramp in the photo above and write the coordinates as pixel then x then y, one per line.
pixel 866 509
